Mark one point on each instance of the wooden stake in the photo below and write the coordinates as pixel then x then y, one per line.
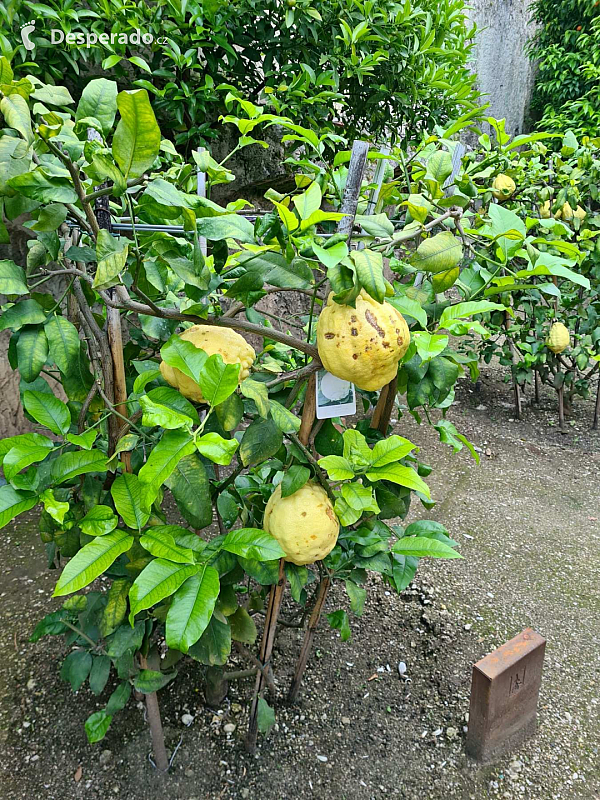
pixel 597 408
pixel 309 411
pixel 308 639
pixel 561 408
pixel 385 406
pixel 266 649
pixel 514 353
pixel 156 729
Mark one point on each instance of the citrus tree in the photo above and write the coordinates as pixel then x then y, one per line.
pixel 548 269
pixel 150 373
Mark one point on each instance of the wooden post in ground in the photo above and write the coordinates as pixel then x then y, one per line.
pixel 516 387
pixel 385 406
pixel 597 408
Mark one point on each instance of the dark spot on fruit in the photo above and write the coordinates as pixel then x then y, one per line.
pixel 372 320
pixel 304 513
pixel 353 318
pixel 355 356
pixel 385 344
pixel 330 335
pixel 400 341
pixel 354 332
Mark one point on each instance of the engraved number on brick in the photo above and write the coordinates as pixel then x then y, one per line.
pixel 517 681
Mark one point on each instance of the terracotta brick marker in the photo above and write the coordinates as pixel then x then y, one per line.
pixel 504 696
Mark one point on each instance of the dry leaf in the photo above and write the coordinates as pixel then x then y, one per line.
pixel 78 774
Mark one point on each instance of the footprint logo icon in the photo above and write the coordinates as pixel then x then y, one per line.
pixel 26 30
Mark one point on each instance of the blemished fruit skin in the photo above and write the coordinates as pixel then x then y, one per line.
pixel 304 524
pixel 233 348
pixel 503 187
pixel 362 345
pixel 558 338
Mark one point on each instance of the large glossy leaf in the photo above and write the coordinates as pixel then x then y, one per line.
pixel 97 725
pixel 189 486
pixel 111 255
pixel 462 310
pixel 116 606
pixel 99 100
pixel 404 476
pixel 27 312
pixel 184 356
pixel 214 646
pixel 257 391
pixel 166 396
pixel 76 667
pixel 32 352
pixel 28 439
pixel 391 449
pixel 37 185
pixel 13 503
pixel 163 416
pixel 15 111
pixel 438 253
pixel 91 561
pixel 69 465
pixel 253 543
pixel 369 270
pixel 243 628
pixel 158 541
pixel 216 448
pixel 12 278
pixel 99 521
pixel 126 492
pixel 136 142
pixel 227 226
pixel 163 459
pixel 261 440
pixel 421 546
pixel 158 580
pixel 218 380
pixel 192 608
pixel 150 680
pixel 294 478
pixel 21 456
pixel 48 410
pixel 63 342
pixel 283 417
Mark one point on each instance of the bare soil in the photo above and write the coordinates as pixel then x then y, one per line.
pixel 527 519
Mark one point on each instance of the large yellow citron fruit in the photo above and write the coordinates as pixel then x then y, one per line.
pixel 558 338
pixel 580 213
pixel 364 344
pixel 503 187
pixel 304 524
pixel 566 212
pixel 233 348
pixel 545 210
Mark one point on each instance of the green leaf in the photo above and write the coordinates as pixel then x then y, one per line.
pixel 404 569
pixel 357 596
pixel 48 410
pixel 429 345
pixel 449 435
pixel 294 478
pixel 28 439
pixel 136 142
pixel 439 166
pixel 189 486
pixel 85 440
pixel 12 278
pixel 257 391
pixel 99 521
pixel 218 380
pixel 404 476
pixel 13 503
pixel 265 716
pixel 331 256
pixel 21 456
pixel 126 638
pixel 214 646
pixel 184 356
pixel 230 412
pixel 462 310
pixel 298 578
pixel 144 378
pixel 37 185
pixel 261 440
pixel 391 449
pixel 75 668
pixel 421 546
pixel 309 201
pixel 15 111
pixel 369 270
pixel 339 621
pixel 158 541
pixel 359 497
pixel 439 253
pixel 242 625
pixel 99 674
pixel 547 264
pixel 63 342
pixel 54 507
pixel 97 725
pixel 149 680
pixel 26 312
pixel 126 493
pixel 91 561
pixel 156 581
pixel 166 396
pixel 337 468
pixel 227 508
pixel 283 418
pixel 115 609
pixel 216 448
pixel 119 698
pixel 51 625
pixel 163 459
pixel 356 449
pixel 375 224
pixel 164 417
pixel 111 255
pixel 99 100
pixel 227 226
pixel 70 465
pixel 253 543
pixel 32 352
pixel 191 609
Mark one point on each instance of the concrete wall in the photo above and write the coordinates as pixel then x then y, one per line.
pixel 505 74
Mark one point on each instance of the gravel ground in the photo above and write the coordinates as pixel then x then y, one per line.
pixel 527 523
